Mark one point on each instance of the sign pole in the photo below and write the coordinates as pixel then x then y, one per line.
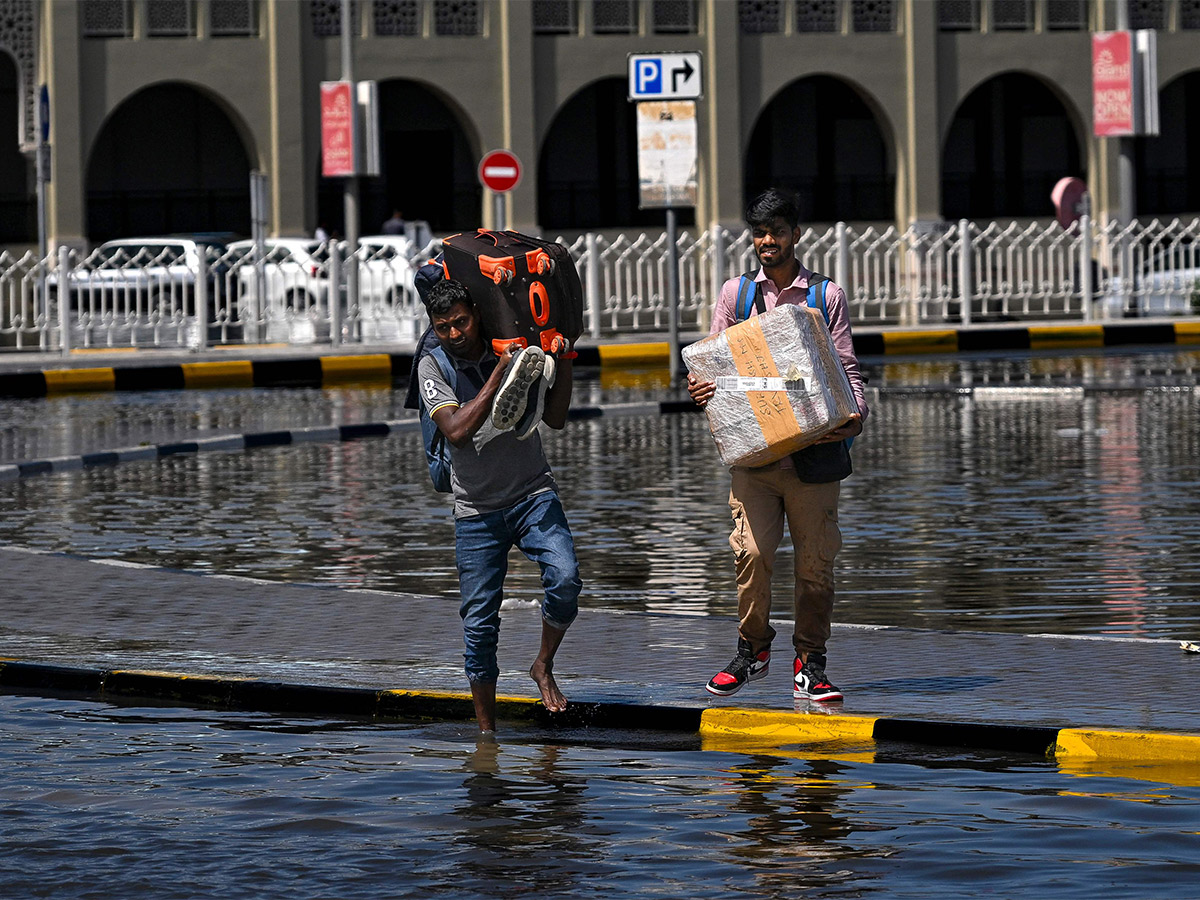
pixel 1125 144
pixel 43 175
pixel 350 189
pixel 673 293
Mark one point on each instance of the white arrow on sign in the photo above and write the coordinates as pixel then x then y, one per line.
pixel 664 76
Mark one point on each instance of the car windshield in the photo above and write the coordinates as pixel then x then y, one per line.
pixel 114 256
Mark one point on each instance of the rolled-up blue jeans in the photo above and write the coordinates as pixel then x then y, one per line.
pixel 536 525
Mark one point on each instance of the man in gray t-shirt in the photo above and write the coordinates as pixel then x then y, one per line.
pixel 504 497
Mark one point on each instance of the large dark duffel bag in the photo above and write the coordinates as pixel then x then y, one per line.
pixel 527 289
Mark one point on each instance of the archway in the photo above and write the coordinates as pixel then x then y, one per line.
pixel 429 164
pixel 588 167
pixel 1168 182
pixel 168 160
pixel 1010 142
pixel 819 138
pixel 18 203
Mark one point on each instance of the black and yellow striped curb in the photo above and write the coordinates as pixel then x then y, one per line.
pixel 320 371
pixel 326 433
pixel 717 727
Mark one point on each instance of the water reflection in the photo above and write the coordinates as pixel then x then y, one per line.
pixel 1025 504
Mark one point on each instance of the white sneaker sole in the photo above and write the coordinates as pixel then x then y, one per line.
pixel 513 395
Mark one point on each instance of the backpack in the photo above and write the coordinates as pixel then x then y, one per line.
pixel 818 463
pixel 437 448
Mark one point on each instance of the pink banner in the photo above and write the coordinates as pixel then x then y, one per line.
pixel 1112 84
pixel 337 129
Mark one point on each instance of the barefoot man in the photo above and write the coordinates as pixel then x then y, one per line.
pixel 504 496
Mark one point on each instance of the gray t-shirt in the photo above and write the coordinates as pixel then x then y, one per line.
pixel 505 470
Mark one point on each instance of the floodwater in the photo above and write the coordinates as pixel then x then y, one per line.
pixel 1052 494
pixel 1040 494
pixel 103 801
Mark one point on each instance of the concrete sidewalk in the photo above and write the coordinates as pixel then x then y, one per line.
pixel 113 629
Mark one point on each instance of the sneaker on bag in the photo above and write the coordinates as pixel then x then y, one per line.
pixel 511 399
pixel 809 681
pixel 534 408
pixel 746 666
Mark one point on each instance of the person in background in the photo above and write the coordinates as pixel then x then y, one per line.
pixel 394 225
pixel 505 496
pixel 802 489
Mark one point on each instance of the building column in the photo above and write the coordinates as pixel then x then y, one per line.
pixel 519 127
pixel 292 176
pixel 66 197
pixel 919 155
pixel 722 121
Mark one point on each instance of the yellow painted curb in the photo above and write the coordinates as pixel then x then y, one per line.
pixel 635 354
pixel 234 373
pixel 356 368
pixel 1187 332
pixel 777 727
pixel 178 676
pixel 451 695
pixel 1131 746
pixel 64 381
pixel 919 341
pixel 1044 337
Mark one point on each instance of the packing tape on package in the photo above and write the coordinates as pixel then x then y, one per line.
pixel 744 383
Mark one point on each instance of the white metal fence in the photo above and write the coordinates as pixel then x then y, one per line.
pixel 172 293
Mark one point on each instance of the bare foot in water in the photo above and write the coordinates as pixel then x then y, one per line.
pixel 552 697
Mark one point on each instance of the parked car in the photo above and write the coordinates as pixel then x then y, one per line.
pixel 1167 284
pixel 286 298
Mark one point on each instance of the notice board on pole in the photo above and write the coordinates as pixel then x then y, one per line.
pixel 667 154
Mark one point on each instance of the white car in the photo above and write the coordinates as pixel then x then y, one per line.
pixel 1167 284
pixel 285 297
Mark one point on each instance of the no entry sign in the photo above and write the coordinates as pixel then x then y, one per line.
pixel 500 171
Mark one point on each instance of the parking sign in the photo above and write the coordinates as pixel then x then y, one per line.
pixel 664 76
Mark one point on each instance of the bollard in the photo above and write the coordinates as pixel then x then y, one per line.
pixel 335 293
pixel 593 283
pixel 964 270
pixel 64 298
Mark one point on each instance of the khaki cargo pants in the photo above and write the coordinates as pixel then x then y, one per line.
pixel 761 500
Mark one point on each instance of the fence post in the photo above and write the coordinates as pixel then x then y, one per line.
pixel 335 293
pixel 718 265
pixel 841 275
pixel 964 271
pixel 64 298
pixel 1086 288
pixel 200 296
pixel 593 283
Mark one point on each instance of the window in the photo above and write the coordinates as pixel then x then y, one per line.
pixel 760 16
pixel 397 18
pixel 555 17
pixel 1012 15
pixel 233 18
pixel 873 16
pixel 673 16
pixel 457 17
pixel 614 17
pixel 326 17
pixel 816 15
pixel 958 15
pixel 1147 14
pixel 1066 15
pixel 1189 14
pixel 169 18
pixel 107 18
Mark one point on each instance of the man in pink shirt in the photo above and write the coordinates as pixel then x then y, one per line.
pixel 802 489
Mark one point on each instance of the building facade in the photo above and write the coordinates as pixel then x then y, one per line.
pixel 874 111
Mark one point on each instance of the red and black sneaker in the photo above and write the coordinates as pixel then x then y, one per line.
pixel 746 666
pixel 809 681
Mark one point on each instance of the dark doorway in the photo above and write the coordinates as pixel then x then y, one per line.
pixel 429 167
pixel 18 201
pixel 167 161
pixel 1167 179
pixel 1009 143
pixel 588 170
pixel 818 137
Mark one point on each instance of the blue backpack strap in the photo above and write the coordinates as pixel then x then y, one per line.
pixel 745 295
pixel 437 453
pixel 817 285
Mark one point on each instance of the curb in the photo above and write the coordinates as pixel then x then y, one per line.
pixel 326 433
pixel 318 371
pixel 716 727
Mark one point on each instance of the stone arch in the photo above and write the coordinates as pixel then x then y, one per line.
pixel 588 163
pixel 18 205
pixel 429 156
pixel 170 158
pixel 1010 140
pixel 822 138
pixel 1168 182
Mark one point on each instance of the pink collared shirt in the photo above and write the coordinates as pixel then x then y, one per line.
pixel 724 315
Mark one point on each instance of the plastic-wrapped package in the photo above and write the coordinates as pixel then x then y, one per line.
pixel 780 385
